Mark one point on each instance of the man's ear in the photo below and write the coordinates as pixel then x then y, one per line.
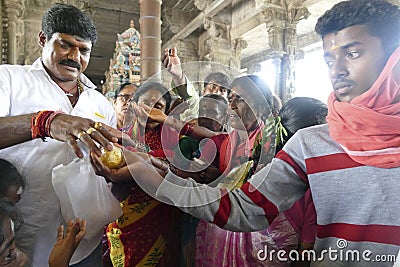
pixel 42 38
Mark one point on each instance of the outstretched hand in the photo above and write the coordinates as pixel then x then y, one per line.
pixel 140 167
pixel 66 244
pixel 146 111
pixel 69 129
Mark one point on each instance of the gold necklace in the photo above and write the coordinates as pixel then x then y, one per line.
pixel 80 90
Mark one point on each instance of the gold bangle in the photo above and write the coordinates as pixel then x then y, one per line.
pixel 80 134
pixel 98 125
pixel 91 130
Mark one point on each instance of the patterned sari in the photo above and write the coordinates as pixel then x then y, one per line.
pixel 144 235
pixel 218 247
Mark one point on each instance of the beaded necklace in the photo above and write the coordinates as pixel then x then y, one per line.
pixel 80 90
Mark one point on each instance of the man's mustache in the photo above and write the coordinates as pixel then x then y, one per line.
pixel 70 63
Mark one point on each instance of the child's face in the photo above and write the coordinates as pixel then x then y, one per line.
pixel 14 193
pixel 10 255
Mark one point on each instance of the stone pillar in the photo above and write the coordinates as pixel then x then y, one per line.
pixel 294 15
pixel 281 23
pixel 13 9
pixel 150 46
pixel 277 65
pixel 239 45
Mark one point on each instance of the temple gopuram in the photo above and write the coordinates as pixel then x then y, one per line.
pixel 125 62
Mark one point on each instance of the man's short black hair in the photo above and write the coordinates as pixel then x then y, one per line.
pixel 381 17
pixel 68 19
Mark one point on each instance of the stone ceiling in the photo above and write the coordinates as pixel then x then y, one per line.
pixel 113 17
pixel 180 20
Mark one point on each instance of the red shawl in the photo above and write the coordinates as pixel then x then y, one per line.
pixel 368 127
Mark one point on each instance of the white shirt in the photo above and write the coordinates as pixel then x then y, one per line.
pixel 29 89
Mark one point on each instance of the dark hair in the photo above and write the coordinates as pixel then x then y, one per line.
pixel 381 17
pixel 9 176
pixel 153 85
pixel 68 19
pixel 218 77
pixel 257 90
pixel 301 112
pixel 122 86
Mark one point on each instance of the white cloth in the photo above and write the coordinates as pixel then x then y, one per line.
pixel 397 262
pixel 29 89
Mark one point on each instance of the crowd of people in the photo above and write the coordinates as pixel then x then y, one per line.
pixel 223 176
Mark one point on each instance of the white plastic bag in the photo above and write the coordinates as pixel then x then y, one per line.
pixel 85 195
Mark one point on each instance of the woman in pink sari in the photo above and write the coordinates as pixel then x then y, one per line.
pixel 250 102
pixel 294 229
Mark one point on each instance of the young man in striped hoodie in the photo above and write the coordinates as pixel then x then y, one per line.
pixel 351 164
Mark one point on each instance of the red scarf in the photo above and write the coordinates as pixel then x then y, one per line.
pixel 368 127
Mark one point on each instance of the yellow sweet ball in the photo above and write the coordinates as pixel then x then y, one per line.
pixel 112 159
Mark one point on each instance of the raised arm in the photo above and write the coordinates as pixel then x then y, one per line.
pixel 67 243
pixel 172 63
pixel 195 131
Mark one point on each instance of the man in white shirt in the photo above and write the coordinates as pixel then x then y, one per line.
pixel 47 109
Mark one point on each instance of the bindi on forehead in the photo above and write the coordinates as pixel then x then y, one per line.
pixel 333 45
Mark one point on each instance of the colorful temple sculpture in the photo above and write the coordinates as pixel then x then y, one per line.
pixel 125 62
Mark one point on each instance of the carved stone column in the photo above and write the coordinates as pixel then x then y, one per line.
pixel 290 46
pixel 277 62
pixel 150 46
pixel 281 23
pixel 214 44
pixel 238 46
pixel 275 19
pixel 14 9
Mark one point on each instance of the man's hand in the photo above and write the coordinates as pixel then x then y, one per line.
pixel 66 244
pixel 69 129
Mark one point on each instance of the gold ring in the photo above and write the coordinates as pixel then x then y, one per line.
pixel 91 130
pixel 80 134
pixel 98 125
